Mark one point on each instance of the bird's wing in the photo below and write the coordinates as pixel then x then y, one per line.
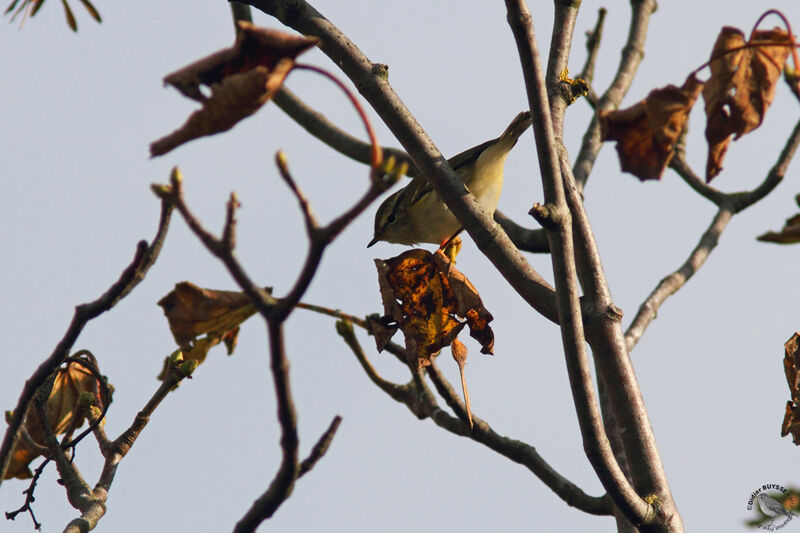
pixel 420 186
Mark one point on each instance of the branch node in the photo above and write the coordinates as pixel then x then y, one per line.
pixel 550 216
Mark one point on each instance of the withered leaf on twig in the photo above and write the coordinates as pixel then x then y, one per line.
pixel 63 414
pixel 791 366
pixel 425 296
pixel 741 87
pixel 241 78
pixel 192 311
pixel 647 132
pixel 789 234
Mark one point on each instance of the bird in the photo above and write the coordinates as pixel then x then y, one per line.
pixel 772 507
pixel 415 214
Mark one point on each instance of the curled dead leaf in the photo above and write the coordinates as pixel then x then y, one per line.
pixel 192 311
pixel 741 87
pixel 789 234
pixel 73 385
pixel 241 78
pixel 646 133
pixel 426 297
pixel 791 366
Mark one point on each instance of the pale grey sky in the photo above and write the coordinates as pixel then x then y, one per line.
pixel 79 112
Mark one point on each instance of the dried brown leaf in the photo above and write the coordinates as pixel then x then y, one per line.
pixel 192 311
pixel 242 78
pixel 424 295
pixel 791 366
pixel 741 87
pixel 789 234
pixel 63 414
pixel 647 132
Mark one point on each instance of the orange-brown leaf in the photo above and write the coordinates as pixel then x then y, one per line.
pixel 468 303
pixel 241 78
pixel 791 366
pixel 647 132
pixel 63 414
pixel 425 296
pixel 741 87
pixel 192 311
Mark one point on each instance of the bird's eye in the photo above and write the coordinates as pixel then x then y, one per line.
pixel 391 218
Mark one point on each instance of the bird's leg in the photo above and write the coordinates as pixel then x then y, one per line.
pixel 452 246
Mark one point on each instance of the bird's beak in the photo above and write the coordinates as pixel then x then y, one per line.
pixel 373 241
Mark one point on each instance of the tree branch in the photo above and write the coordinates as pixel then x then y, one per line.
pixel 144 258
pixel 672 283
pixel 423 405
pixel 632 54
pixel 566 13
pixel 489 237
pixel 555 216
pixel 729 205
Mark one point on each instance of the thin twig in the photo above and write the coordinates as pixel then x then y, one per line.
pixel 423 405
pixel 320 127
pixel 670 284
pixel 632 55
pixel 400 393
pixel 320 448
pixel 305 207
pixel 729 205
pixel 144 258
pixel 593 39
pixel 682 168
pixel 92 503
pixel 564 17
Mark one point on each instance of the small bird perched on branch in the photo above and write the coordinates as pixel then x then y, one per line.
pixel 416 214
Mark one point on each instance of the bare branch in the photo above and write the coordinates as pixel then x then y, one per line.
pixel 670 284
pixel 400 393
pixel 556 218
pixel 566 13
pixel 593 39
pixel 729 205
pixel 320 448
pixel 131 276
pixel 632 54
pixel 305 206
pixel 682 168
pixel 775 176
pixel 320 127
pixel 283 482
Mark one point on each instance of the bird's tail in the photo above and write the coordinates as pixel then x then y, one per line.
pixel 517 127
